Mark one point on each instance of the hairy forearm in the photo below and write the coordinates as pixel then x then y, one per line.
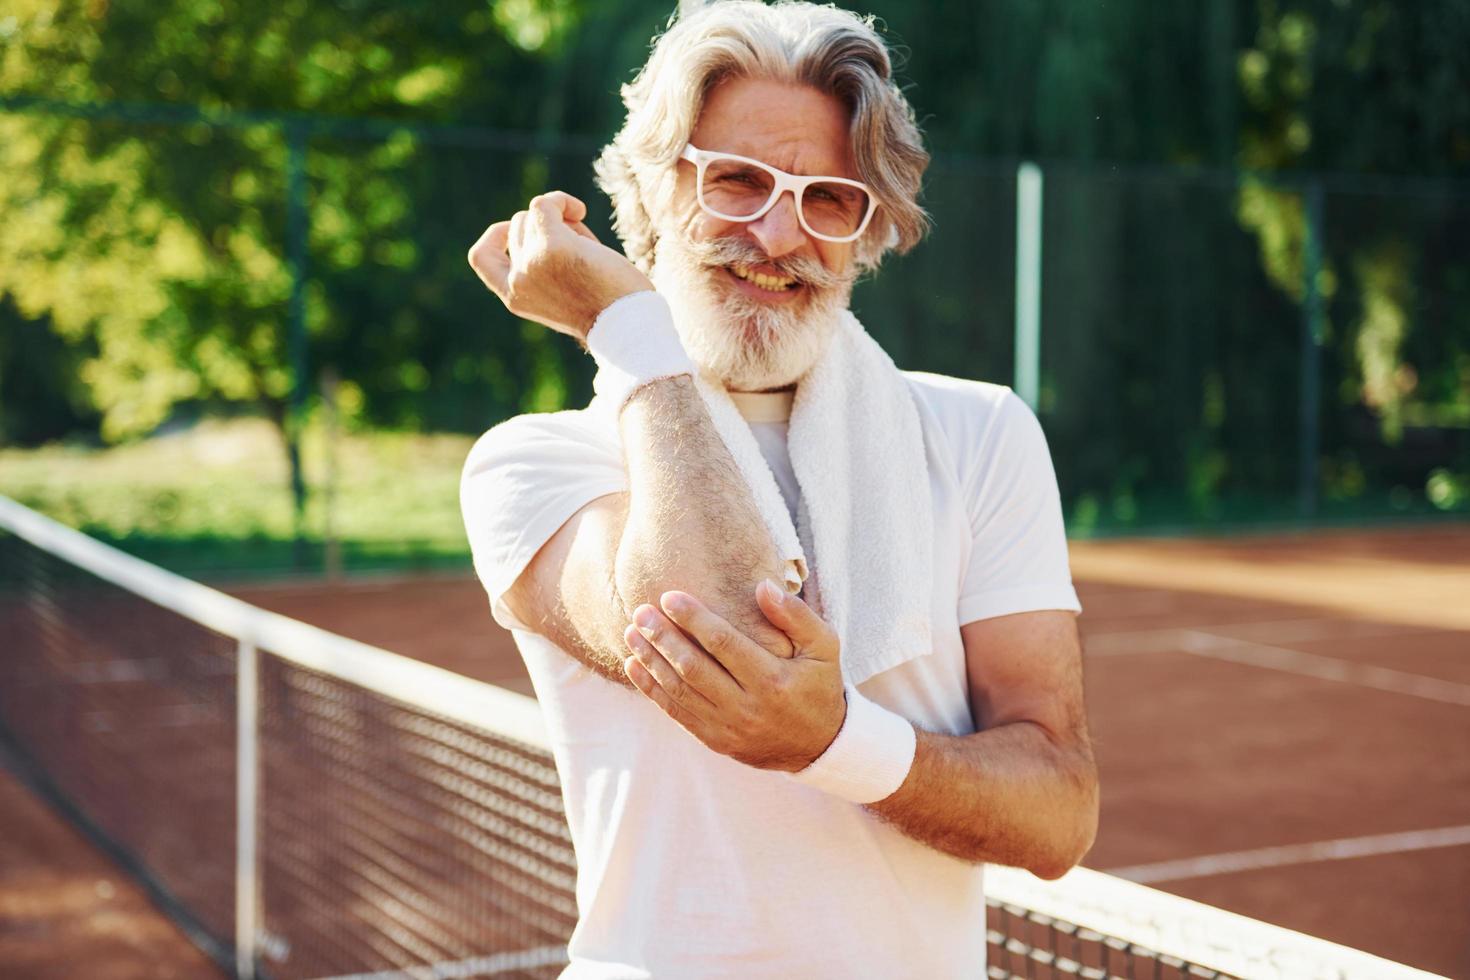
pixel 1010 795
pixel 692 523
pixel 687 522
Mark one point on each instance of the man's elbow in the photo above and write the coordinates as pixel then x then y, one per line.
pixel 726 587
pixel 644 578
pixel 1064 858
pixel 1076 832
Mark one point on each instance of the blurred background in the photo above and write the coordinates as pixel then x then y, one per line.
pixel 237 330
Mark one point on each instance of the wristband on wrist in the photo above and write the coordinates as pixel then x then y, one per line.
pixel 634 342
pixel 870 757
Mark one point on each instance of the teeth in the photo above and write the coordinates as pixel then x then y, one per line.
pixel 773 283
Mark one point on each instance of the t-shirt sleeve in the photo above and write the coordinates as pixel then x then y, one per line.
pixel 523 480
pixel 1018 557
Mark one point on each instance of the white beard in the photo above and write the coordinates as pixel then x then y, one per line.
pixel 745 344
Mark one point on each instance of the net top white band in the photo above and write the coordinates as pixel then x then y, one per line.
pixel 1201 934
pixel 434 689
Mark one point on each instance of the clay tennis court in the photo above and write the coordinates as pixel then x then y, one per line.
pixel 1280 722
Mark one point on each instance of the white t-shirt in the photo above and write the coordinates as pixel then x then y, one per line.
pixel 691 865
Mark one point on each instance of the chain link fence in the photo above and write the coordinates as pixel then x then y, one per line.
pixel 1215 349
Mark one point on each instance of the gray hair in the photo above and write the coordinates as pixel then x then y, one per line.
pixel 831 50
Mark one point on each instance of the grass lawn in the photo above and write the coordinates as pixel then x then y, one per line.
pixel 215 498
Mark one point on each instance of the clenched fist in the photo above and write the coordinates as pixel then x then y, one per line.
pixel 545 265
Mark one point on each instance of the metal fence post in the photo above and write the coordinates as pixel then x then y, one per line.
pixel 1314 328
pixel 1028 284
pixel 247 789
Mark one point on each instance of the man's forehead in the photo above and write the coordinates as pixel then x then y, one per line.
pixel 793 127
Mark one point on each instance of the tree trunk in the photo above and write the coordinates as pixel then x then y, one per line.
pixel 280 413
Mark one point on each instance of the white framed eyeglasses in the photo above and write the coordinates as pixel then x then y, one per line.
pixel 736 188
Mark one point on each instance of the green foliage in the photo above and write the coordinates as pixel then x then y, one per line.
pixel 1360 86
pixel 223 486
pixel 164 247
pixel 158 250
pixel 1370 87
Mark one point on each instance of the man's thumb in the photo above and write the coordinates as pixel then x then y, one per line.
pixel 795 618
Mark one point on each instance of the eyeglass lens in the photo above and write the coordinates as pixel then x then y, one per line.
pixel 741 189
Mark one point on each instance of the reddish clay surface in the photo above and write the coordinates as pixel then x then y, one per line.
pixel 66 911
pixel 1232 749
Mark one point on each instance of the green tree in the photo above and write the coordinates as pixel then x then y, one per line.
pixel 160 245
pixel 161 252
pixel 1371 87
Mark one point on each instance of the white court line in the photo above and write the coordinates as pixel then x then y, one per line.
pixel 1307 630
pixel 1202 643
pixel 1326 668
pixel 1344 849
pixel 1268 631
pixel 477 966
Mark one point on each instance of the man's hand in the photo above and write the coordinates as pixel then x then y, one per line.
pixel 732 694
pixel 545 265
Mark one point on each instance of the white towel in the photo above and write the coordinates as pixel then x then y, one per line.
pixel 857 450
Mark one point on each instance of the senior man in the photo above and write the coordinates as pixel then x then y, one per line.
pixel 801 623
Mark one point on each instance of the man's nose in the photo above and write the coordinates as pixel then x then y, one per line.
pixel 779 231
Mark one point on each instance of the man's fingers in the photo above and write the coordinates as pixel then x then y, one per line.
pixel 747 661
pixel 584 231
pixel 694 666
pixel 558 216
pixel 559 208
pixel 670 679
pixel 808 632
pixel 651 689
pixel 489 259
pixel 517 239
pixel 552 215
pixel 639 675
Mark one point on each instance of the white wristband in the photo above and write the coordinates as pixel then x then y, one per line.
pixel 870 757
pixel 634 342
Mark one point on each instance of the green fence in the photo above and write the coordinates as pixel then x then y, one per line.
pixel 1215 349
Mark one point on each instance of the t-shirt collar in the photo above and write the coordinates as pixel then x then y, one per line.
pixel 764 406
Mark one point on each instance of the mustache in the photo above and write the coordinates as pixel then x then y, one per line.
pixel 804 269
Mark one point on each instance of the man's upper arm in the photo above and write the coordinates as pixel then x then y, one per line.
pixel 523 483
pixel 1027 667
pixel 567 594
pixel 1018 544
pixel 1017 606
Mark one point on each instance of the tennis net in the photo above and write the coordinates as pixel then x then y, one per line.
pixel 307 806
